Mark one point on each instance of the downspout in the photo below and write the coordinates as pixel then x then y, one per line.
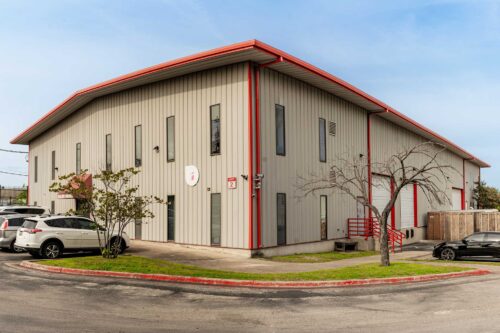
pixel 415 205
pixel 250 158
pixel 393 209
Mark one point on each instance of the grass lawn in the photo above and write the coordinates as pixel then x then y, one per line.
pixel 135 264
pixel 323 256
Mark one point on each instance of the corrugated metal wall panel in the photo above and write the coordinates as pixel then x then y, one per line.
pixel 304 105
pixel 188 98
pixel 388 139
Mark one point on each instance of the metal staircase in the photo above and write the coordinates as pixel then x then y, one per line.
pixel 370 227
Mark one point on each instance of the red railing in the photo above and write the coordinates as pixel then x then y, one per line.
pixel 369 227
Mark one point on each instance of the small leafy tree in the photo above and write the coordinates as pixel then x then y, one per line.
pixel 22 197
pixel 419 165
pixel 113 204
pixel 486 196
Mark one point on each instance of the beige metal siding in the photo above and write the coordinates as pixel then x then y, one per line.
pixel 471 180
pixel 188 98
pixel 304 105
pixel 388 139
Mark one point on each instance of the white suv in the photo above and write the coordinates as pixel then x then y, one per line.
pixel 49 236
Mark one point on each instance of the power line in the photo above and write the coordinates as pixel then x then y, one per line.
pixel 13 173
pixel 13 151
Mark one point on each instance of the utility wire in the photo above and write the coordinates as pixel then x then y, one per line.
pixel 13 151
pixel 13 173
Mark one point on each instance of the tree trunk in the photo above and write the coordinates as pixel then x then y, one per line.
pixel 384 243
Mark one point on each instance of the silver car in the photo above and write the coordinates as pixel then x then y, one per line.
pixel 8 230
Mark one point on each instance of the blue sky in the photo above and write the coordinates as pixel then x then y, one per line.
pixel 436 61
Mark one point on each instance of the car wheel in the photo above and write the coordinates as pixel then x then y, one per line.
pixel 448 254
pixel 14 248
pixel 51 250
pixel 117 246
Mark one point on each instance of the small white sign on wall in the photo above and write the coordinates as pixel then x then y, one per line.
pixel 192 175
pixel 231 183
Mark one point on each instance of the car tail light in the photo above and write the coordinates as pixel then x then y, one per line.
pixel 33 231
pixel 5 225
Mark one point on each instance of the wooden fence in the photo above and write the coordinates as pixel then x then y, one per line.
pixel 455 225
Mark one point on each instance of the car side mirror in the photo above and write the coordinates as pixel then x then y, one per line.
pixel 465 241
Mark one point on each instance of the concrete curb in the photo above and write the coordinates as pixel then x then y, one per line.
pixel 251 283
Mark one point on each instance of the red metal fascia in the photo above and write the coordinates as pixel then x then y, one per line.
pixel 257 155
pixel 415 205
pixel 393 210
pixel 250 158
pixel 291 59
pixel 149 70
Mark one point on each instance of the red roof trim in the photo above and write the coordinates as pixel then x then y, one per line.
pixel 240 47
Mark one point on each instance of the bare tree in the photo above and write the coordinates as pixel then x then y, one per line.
pixel 418 165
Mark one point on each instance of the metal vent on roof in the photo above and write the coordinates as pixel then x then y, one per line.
pixel 332 128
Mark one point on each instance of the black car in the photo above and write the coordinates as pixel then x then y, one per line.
pixel 479 244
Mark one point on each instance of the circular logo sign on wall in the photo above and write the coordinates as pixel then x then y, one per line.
pixel 192 175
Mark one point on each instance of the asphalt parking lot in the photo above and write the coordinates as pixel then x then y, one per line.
pixel 41 302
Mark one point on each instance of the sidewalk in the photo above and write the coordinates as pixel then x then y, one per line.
pixel 231 262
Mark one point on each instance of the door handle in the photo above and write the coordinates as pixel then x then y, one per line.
pixel 59 233
pixel 84 233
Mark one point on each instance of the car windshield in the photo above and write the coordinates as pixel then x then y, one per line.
pixel 29 224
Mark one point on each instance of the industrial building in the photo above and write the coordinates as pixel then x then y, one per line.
pixel 222 136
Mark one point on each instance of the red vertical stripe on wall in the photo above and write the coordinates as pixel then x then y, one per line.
pixel 463 186
pixel 28 187
pixel 415 205
pixel 250 158
pixel 369 158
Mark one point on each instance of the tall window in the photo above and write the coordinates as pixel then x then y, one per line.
pixel 52 207
pixel 322 140
pixel 78 158
pixel 170 139
pixel 215 129
pixel 281 218
pixel 215 218
pixel 36 169
pixel 280 129
pixel 53 165
pixel 138 145
pixel 323 219
pixel 108 153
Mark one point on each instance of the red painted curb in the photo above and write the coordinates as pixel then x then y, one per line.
pixel 251 283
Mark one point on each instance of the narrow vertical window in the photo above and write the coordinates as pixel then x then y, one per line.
pixel 215 218
pixel 52 207
pixel 78 158
pixel 280 129
pixel 281 218
pixel 215 129
pixel 323 217
pixel 108 153
pixel 170 139
pixel 36 169
pixel 138 145
pixel 170 218
pixel 322 140
pixel 53 165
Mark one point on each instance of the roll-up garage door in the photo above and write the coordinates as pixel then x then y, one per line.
pixel 381 193
pixel 456 199
pixel 407 207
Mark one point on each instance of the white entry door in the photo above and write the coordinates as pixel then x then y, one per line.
pixel 381 193
pixel 456 199
pixel 407 207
